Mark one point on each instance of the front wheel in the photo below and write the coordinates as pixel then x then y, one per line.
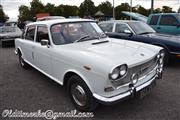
pixel 22 62
pixel 80 94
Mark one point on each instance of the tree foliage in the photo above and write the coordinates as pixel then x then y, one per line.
pixel 86 8
pixel 106 8
pixel 3 16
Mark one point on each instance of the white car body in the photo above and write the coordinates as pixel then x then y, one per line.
pixel 56 61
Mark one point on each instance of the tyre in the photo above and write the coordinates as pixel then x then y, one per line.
pixel 22 62
pixel 80 94
pixel 166 57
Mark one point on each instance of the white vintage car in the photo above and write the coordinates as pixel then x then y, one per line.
pixel 94 68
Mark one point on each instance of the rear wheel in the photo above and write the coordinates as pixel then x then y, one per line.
pixel 80 94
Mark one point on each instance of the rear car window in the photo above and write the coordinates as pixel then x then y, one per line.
pixel 154 20
pixel 168 20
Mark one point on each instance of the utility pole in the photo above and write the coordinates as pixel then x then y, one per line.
pixel 152 6
pixel 113 11
pixel 131 8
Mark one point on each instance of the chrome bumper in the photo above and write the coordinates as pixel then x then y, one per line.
pixel 125 94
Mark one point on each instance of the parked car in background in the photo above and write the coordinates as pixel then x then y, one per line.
pixel 50 18
pixel 8 34
pixel 167 23
pixel 141 32
pixel 94 68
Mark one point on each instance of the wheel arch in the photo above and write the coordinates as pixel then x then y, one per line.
pixel 69 73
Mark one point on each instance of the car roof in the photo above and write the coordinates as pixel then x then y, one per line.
pixel 165 14
pixel 120 21
pixel 51 22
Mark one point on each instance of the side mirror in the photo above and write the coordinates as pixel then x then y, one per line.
pixel 127 32
pixel 45 42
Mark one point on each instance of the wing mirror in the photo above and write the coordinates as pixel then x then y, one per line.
pixel 128 32
pixel 45 42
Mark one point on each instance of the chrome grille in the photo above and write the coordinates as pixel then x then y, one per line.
pixel 141 70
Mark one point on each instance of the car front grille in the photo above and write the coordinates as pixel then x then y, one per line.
pixel 142 70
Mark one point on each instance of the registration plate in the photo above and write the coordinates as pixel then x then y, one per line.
pixel 146 90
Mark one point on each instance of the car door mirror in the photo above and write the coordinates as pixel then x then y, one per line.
pixel 127 32
pixel 44 42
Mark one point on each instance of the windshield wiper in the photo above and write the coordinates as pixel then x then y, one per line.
pixel 82 38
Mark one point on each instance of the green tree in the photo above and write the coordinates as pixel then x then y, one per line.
pixel 106 8
pixel 119 9
pixel 24 14
pixel 36 7
pixel 87 8
pixel 166 9
pixel 142 10
pixel 158 10
pixel 3 16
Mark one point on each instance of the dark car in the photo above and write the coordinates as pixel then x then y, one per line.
pixel 141 32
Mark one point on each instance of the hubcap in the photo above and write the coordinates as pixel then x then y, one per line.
pixel 78 94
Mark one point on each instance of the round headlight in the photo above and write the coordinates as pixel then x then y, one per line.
pixel 123 70
pixel 115 74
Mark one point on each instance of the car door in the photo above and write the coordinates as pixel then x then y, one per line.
pixel 168 24
pixel 28 43
pixel 42 54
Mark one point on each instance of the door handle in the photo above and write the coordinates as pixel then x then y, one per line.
pixel 32 46
pixel 158 27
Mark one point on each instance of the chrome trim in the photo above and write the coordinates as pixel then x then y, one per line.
pixel 175 53
pixel 125 94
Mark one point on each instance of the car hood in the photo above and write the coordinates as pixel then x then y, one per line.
pixel 136 16
pixel 165 37
pixel 110 54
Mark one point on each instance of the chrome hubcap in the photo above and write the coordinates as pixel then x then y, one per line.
pixel 78 94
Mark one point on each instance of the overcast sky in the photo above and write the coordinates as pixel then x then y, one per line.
pixel 11 6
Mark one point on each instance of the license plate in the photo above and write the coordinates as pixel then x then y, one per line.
pixel 146 90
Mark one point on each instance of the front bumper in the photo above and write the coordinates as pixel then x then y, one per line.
pixel 130 93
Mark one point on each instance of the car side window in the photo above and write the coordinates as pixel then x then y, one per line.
pixel 168 20
pixel 106 27
pixel 30 33
pixel 42 33
pixel 154 20
pixel 120 28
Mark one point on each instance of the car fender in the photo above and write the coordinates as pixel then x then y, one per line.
pixel 80 75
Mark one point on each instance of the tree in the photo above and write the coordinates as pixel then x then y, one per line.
pixel 87 8
pixel 142 10
pixel 24 14
pixel 3 16
pixel 119 9
pixel 157 10
pixel 166 9
pixel 36 7
pixel 106 8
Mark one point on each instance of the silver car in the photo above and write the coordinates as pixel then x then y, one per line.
pixel 8 34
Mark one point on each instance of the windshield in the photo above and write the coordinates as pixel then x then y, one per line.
pixel 141 28
pixel 75 32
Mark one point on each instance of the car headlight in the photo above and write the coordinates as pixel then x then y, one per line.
pixel 118 72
